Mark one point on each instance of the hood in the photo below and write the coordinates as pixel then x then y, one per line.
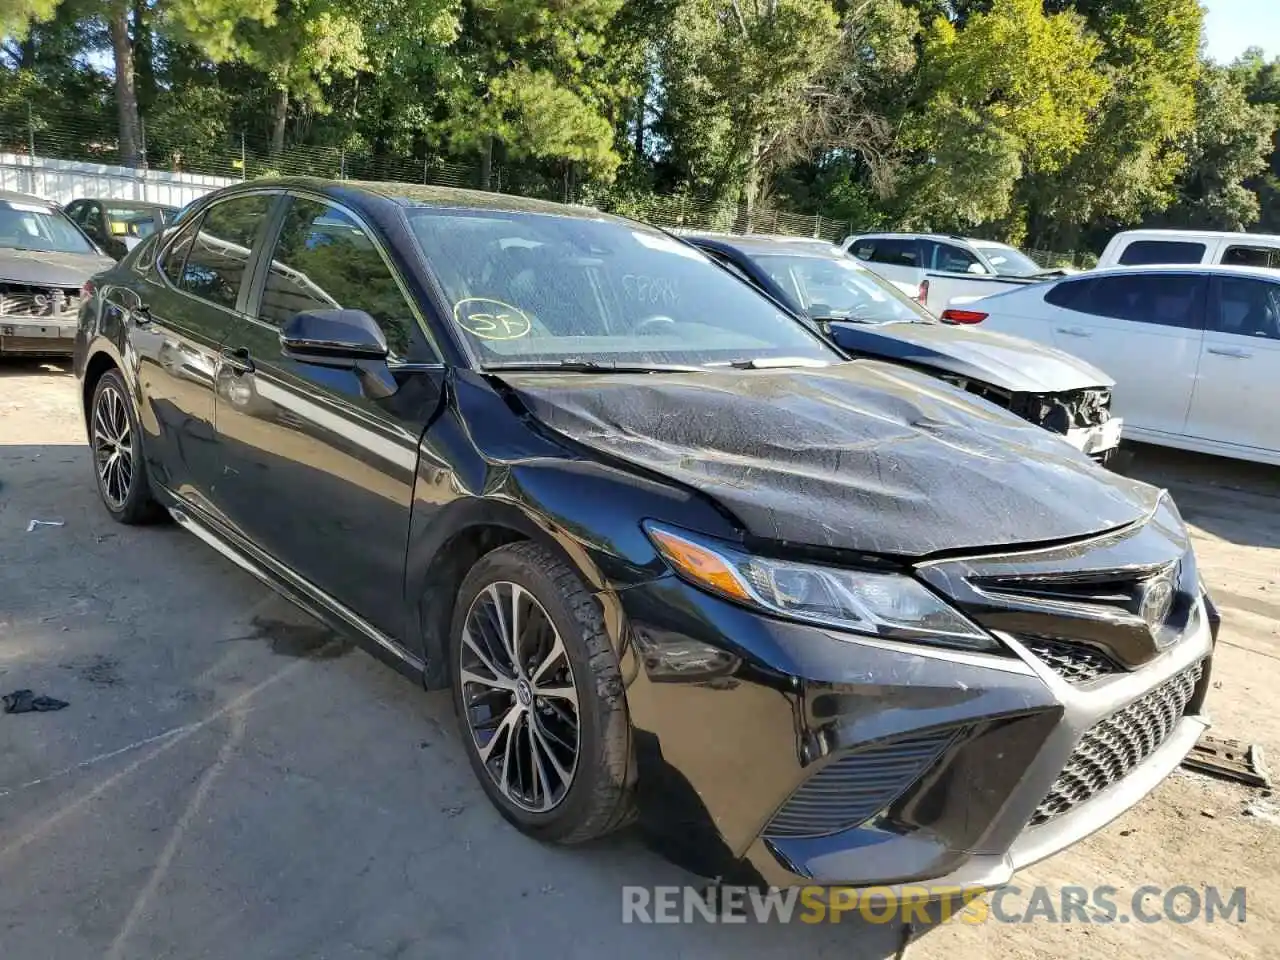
pixel 42 268
pixel 1010 363
pixel 860 456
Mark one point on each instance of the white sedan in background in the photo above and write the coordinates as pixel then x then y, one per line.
pixel 1194 350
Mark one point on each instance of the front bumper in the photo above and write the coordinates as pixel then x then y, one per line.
pixel 37 335
pixel 734 712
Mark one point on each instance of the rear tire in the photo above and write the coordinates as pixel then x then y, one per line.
pixel 115 442
pixel 546 729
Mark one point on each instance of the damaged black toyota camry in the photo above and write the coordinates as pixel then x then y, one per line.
pixel 678 560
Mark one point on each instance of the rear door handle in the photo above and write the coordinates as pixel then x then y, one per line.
pixel 1229 352
pixel 1073 331
pixel 238 359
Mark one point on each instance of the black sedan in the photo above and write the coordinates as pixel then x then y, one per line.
pixel 802 618
pixel 869 317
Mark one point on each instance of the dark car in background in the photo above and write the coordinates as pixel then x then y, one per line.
pixel 119 225
pixel 867 316
pixel 678 560
pixel 45 261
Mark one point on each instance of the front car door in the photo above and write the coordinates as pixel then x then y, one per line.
pixel 1144 329
pixel 179 311
pixel 1235 394
pixel 315 473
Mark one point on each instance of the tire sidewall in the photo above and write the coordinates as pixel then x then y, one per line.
pixel 137 501
pixel 500 565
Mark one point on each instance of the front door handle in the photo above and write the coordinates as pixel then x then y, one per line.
pixel 1229 352
pixel 1073 331
pixel 237 359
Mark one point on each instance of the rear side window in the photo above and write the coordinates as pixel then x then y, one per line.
pixel 1241 255
pixel 1068 294
pixel 1167 300
pixel 175 258
pixel 1247 307
pixel 899 253
pixel 219 254
pixel 1142 253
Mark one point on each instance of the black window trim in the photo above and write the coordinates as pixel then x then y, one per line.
pixel 262 262
pixel 255 251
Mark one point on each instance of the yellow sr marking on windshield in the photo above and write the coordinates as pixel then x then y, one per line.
pixel 504 323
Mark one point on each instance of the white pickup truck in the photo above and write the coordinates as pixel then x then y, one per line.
pixel 939 271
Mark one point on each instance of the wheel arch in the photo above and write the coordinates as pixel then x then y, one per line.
pixel 441 560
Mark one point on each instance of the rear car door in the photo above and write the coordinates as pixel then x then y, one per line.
pixel 1236 389
pixel 310 461
pixel 178 315
pixel 1144 329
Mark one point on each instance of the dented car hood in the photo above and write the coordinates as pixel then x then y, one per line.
pixel 1010 363
pixel 862 456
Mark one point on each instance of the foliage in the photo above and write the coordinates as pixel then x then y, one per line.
pixel 1049 121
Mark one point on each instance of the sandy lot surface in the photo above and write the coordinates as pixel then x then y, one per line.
pixel 231 781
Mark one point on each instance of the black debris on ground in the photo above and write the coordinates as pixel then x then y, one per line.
pixel 24 701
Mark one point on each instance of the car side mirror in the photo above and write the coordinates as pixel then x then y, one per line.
pixel 978 269
pixel 341 340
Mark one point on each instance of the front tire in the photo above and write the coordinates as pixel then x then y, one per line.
pixel 539 698
pixel 116 443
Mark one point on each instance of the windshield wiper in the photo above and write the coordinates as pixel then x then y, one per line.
pixel 590 366
pixel 771 363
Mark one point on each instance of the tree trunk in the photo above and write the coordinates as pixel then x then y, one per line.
pixel 28 47
pixel 640 115
pixel 486 164
pixel 282 117
pixel 126 96
pixel 143 56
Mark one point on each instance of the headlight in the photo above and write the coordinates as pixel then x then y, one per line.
pixel 888 605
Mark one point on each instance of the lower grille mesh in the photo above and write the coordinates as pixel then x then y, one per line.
pixel 1111 748
pixel 852 789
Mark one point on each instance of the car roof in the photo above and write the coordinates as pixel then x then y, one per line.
pixel 1164 234
pixel 426 195
pixel 755 243
pixel 14 196
pixel 131 204
pixel 1209 269
pixel 909 236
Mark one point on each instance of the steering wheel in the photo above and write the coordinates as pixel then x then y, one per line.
pixel 652 325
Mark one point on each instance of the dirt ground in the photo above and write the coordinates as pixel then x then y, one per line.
pixel 230 781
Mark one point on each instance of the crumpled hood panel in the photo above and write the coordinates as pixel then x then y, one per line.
pixel 861 456
pixel 42 268
pixel 1010 363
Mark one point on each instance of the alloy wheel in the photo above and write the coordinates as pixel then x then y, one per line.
pixel 519 695
pixel 113 446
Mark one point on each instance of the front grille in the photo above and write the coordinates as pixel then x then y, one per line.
pixel 19 300
pixel 854 788
pixel 1064 411
pixel 1111 748
pixel 1074 662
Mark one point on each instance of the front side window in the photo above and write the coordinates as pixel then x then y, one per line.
pixel 1248 307
pixel 133 221
pixel 219 253
pixel 325 260
pixel 1149 253
pixel 949 258
pixel 1167 300
pixel 37 226
pixel 830 289
pixel 546 288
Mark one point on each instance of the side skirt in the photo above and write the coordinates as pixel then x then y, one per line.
pixel 297 590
